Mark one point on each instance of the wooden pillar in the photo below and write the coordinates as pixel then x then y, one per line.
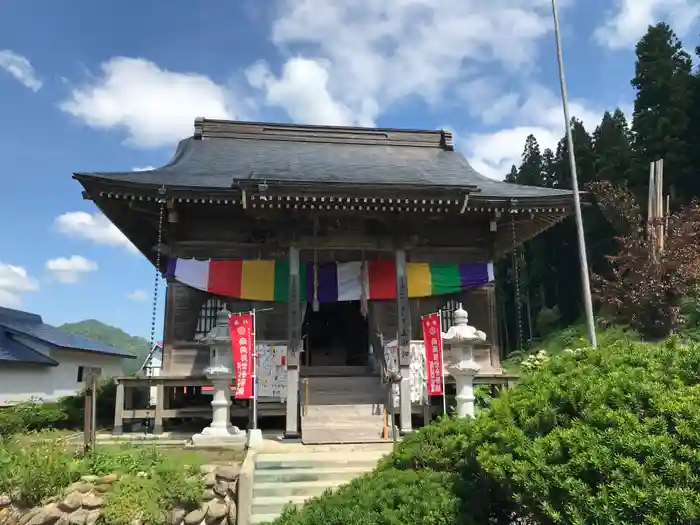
pixel 291 429
pixel 158 422
pixel 168 324
pixel 118 428
pixel 404 342
pixel 493 335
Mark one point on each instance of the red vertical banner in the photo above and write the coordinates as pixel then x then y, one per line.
pixel 432 338
pixel 242 347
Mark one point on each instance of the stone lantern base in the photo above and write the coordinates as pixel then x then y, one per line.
pixel 220 431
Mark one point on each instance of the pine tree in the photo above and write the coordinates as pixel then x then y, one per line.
pixel 662 108
pixel 612 149
pixel 530 171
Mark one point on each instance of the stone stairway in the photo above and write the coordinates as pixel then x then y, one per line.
pixel 282 479
pixel 346 409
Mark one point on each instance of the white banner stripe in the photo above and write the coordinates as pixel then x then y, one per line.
pixel 349 281
pixel 193 273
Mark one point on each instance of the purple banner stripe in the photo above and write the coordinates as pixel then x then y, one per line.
pixel 327 282
pixel 473 274
pixel 170 269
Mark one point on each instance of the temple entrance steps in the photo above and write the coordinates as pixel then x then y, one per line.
pixel 340 409
pixel 283 479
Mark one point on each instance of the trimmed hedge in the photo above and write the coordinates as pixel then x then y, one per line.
pixel 606 436
pixel 385 497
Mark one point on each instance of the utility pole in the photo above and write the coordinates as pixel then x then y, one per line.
pixel 583 259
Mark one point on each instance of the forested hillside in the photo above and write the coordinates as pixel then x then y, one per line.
pixel 104 333
pixel 665 125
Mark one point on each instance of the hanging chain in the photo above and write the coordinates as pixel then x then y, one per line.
pixel 147 424
pixel 516 282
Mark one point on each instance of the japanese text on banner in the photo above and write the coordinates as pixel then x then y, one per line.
pixel 432 337
pixel 242 347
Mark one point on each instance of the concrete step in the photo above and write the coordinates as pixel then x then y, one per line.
pixel 331 371
pixel 256 519
pixel 299 488
pixel 301 475
pixel 316 460
pixel 325 436
pixel 345 411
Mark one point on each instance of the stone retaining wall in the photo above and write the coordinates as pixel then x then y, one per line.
pixel 82 503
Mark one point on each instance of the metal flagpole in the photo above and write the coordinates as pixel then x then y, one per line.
pixel 442 373
pixel 585 280
pixel 255 375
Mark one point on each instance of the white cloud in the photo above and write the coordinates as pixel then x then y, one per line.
pixel 69 270
pixel 137 295
pixel 15 282
pixel 303 91
pixel 143 168
pixel 538 112
pixel 20 68
pixel 364 55
pixel 153 106
pixel 93 227
pixel 624 26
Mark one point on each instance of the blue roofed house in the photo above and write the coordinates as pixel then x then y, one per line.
pixel 40 361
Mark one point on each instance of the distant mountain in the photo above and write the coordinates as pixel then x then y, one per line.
pixel 104 333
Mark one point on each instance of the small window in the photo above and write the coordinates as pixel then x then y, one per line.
pixel 207 316
pixel 447 314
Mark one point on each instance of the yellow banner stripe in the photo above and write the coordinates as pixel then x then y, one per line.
pixel 258 280
pixel 420 283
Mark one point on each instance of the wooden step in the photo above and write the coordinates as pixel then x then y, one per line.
pixel 334 371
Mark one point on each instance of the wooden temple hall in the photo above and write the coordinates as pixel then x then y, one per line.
pixel 341 238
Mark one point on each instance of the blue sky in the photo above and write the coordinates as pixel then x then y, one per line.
pixel 103 86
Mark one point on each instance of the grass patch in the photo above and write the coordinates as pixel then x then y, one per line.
pixel 148 498
pixel 35 467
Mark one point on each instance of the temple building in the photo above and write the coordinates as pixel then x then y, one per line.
pixel 341 238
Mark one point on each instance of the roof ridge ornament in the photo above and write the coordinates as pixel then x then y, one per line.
pixel 232 129
pixel 447 142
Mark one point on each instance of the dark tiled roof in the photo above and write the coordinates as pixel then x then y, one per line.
pixel 13 350
pixel 225 153
pixel 31 325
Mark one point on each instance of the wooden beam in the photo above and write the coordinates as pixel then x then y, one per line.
pixel 294 346
pixel 403 346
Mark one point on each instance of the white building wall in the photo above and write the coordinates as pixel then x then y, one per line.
pixel 21 382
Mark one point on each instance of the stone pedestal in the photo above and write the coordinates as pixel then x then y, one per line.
pixel 459 360
pixel 464 373
pixel 220 431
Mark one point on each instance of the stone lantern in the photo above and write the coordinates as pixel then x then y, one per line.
pixel 220 372
pixel 459 359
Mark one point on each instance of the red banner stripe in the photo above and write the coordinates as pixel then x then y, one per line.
pixel 382 279
pixel 432 339
pixel 242 342
pixel 225 277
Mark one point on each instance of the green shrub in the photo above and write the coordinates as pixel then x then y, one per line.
pixel 592 436
pixel 65 413
pixel 547 321
pixel 605 436
pixel 34 471
pixel 389 497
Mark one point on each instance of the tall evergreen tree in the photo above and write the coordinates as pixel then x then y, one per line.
pixel 662 108
pixel 613 151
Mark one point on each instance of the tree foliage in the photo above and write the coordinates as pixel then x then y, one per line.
pixel 665 124
pixel 645 291
pixel 606 436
